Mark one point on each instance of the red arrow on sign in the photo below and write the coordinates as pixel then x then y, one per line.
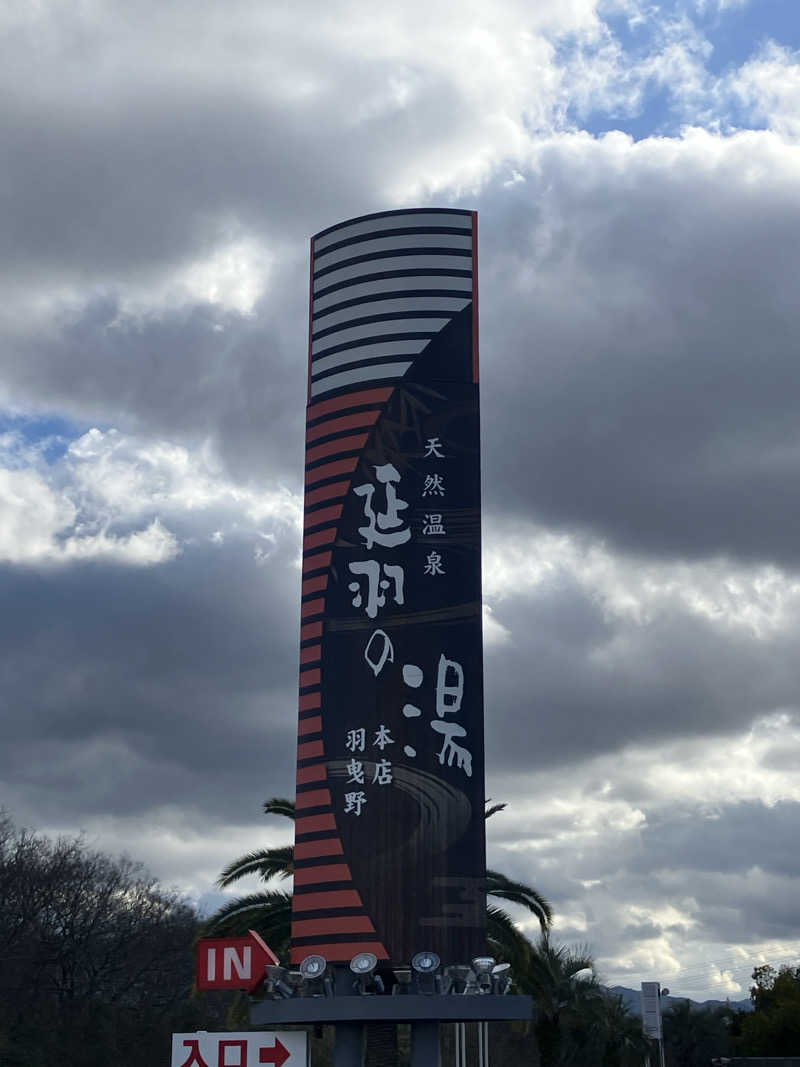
pixel 278 1054
pixel 233 962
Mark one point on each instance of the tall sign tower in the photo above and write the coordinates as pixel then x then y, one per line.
pixel 389 846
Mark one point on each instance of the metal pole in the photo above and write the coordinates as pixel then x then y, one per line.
pixel 457 1036
pixel 348 1045
pixel 480 1044
pixel 425 1044
pixel 661 1057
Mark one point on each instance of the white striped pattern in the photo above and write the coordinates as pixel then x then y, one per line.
pixel 407 304
pixel 373 329
pixel 373 224
pixel 359 362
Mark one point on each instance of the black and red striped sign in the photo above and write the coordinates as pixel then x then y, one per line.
pixel 389 851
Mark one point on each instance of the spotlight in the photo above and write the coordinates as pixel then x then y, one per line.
pixel 276 984
pixel 402 983
pixel 425 965
pixel 313 967
pixel 462 979
pixel 501 978
pixel 364 963
pixel 363 966
pixel 482 966
pixel 313 970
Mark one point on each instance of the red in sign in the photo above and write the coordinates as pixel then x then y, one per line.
pixel 232 962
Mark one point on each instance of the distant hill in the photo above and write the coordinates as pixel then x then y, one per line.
pixel 633 1000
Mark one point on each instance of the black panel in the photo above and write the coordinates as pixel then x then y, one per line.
pixel 416 850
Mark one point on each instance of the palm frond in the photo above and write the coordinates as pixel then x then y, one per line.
pixel 280 806
pixel 497 885
pixel 268 912
pixel 265 862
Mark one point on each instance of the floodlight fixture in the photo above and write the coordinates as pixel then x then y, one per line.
pixel 364 963
pixel 501 978
pixel 483 964
pixel 313 967
pixel 461 979
pixel 426 962
pixel 276 984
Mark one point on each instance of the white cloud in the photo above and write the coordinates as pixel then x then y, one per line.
pixel 81 507
pixel 761 599
pixel 39 526
pixel 769 85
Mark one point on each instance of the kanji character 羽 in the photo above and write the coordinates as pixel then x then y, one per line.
pixel 376 586
pixel 356 740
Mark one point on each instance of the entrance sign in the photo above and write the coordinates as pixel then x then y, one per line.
pixel 281 1049
pixel 389 847
pixel 232 962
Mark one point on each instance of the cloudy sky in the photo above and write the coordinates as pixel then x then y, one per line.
pixel 636 168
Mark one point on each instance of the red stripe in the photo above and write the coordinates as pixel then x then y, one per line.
pixel 314 824
pixel 348 400
pixel 310 748
pixel 318 518
pixel 326 492
pixel 317 773
pixel 311 629
pixel 310 677
pixel 309 701
pixel 333 898
pixel 351 924
pixel 314 799
pixel 310 654
pixel 324 872
pixel 321 537
pixel 335 448
pixel 312 725
pixel 340 953
pixel 328 846
pixel 314 563
pixel 312 607
pixel 330 470
pixel 346 422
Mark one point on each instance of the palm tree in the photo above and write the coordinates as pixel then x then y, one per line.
pixel 269 911
pixel 565 1002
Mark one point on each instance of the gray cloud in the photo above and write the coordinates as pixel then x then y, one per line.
pixel 127 689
